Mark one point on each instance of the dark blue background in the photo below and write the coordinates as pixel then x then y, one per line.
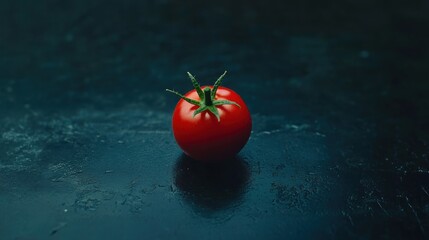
pixel 338 92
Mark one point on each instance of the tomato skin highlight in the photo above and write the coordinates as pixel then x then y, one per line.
pixel 203 137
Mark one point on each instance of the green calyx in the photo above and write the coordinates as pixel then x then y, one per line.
pixel 207 101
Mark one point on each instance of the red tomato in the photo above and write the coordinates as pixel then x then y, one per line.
pixel 211 134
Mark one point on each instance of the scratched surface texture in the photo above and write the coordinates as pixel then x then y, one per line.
pixel 338 93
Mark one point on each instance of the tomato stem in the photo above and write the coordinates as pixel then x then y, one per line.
pixel 207 101
pixel 208 96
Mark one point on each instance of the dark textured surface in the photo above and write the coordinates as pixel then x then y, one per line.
pixel 338 95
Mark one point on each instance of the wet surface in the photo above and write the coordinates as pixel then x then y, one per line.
pixel 337 92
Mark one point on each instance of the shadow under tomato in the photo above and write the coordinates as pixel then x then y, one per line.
pixel 211 186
